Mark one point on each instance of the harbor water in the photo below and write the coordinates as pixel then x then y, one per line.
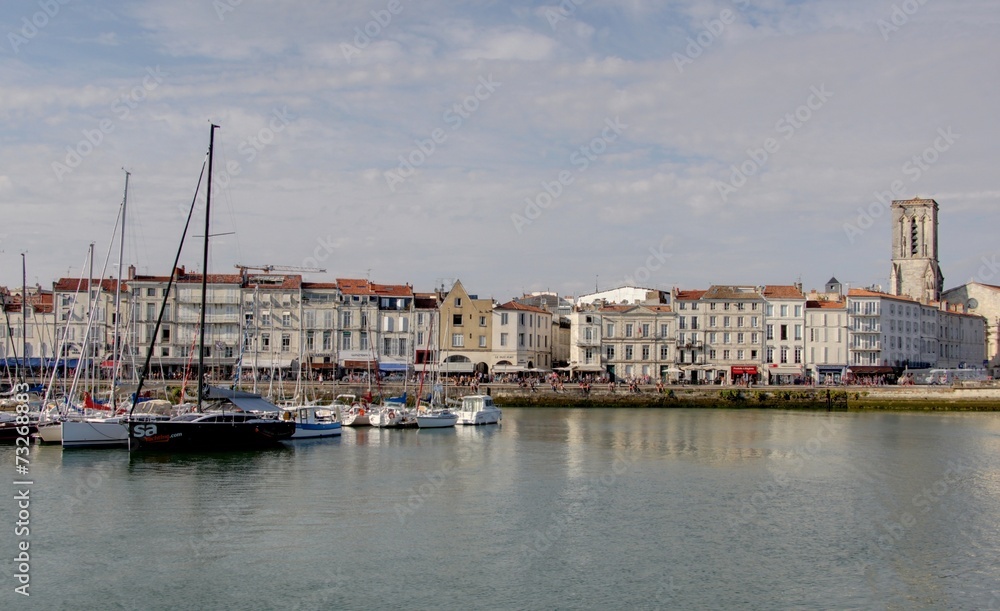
pixel 554 509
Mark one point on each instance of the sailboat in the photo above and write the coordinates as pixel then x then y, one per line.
pixel 434 416
pixel 234 422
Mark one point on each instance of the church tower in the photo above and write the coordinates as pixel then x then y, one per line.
pixel 915 271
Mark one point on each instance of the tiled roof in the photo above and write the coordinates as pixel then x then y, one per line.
pixel 868 293
pixel 782 291
pixel 692 295
pixel 73 284
pixel 319 285
pixel 732 292
pixel 356 286
pixel 513 305
pixel 658 308
pixel 823 304
pixel 615 308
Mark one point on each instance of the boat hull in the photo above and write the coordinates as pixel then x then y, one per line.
pixel 437 421
pixel 50 432
pixel 9 431
pixel 84 434
pixel 315 431
pixel 171 436
pixel 480 417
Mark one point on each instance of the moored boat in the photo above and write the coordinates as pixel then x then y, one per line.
pixel 437 419
pixel 312 421
pixel 478 409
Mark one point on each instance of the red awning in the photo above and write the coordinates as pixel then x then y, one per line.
pixel 740 369
pixel 360 365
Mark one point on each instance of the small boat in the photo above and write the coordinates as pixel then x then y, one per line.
pixel 312 421
pixel 437 419
pixel 110 432
pixel 352 413
pixel 392 417
pixel 479 409
pixel 209 431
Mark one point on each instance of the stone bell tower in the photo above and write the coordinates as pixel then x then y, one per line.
pixel 915 270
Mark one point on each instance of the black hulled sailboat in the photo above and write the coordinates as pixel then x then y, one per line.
pixel 232 420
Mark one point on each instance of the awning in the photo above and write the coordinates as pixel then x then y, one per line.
pixel 454 367
pixel 586 367
pixel 869 369
pixel 744 369
pixel 784 371
pixel 359 364
pixel 507 368
pixel 829 368
pixel 393 366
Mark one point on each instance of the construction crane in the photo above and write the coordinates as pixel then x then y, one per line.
pixel 278 268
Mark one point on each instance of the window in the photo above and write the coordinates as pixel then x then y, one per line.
pixel 739 338
pixel 694 322
pixel 784 333
pixel 265 341
pixel 683 305
pixel 457 340
pixel 151 292
pixel 769 310
pixel 628 330
pixel 645 330
pixel 798 355
pixel 664 330
pixel 504 318
pixel 711 337
pixel 286 319
pixel 327 341
pixel 645 352
pixel 610 351
pixel 725 321
pixel 713 322
pixel 150 311
pixel 739 355
pixel 680 338
pixel 420 318
pixel 694 305
pixel 664 353
pixel 754 338
pixel 588 355
pixel 520 319
pixel 388 324
pixel 628 352
pixel 346 319
pixel 420 338
pixel 482 321
pixel 753 321
pixel 458 302
pixel 784 310
pixel 725 306
pixel 482 341
pixel 520 339
pixel 387 345
pixel 798 311
pixel 725 355
pixel 364 340
pixel 456 320
pixel 753 355
pixel 345 341
pixel 739 321
pixel 711 354
pixel 769 358
pixel 611 329
pixel 726 337
pixel 798 331
pixel 784 354
pixel 681 323
pixel 504 339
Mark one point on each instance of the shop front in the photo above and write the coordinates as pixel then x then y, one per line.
pixel 784 375
pixel 829 374
pixel 744 374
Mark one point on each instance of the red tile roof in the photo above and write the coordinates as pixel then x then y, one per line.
pixel 868 293
pixel 823 304
pixel 692 295
pixel 782 291
pixel 82 284
pixel 513 305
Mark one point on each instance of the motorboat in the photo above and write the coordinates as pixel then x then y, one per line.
pixel 478 409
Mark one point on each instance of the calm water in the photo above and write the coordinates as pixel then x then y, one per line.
pixel 560 508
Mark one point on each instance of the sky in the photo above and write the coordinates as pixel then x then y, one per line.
pixel 517 146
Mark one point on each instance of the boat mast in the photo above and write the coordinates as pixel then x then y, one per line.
pixel 118 296
pixel 204 270
pixel 24 318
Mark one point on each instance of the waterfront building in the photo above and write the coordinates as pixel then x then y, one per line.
pixel 85 317
pixel 560 308
pixel 585 344
pixel 426 327
pixel 784 333
pixel 625 295
pixel 690 353
pixel 320 309
pixel 375 330
pixel 522 339
pixel 983 300
pixel 638 341
pixel 826 334
pixel 28 329
pixel 465 334
pixel 734 333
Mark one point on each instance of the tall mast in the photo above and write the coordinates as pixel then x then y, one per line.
pixel 204 270
pixel 24 318
pixel 118 293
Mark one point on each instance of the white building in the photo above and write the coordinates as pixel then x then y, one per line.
pixel 522 339
pixel 784 319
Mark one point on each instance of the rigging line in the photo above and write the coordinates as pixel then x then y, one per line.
pixel 170 284
pixel 227 197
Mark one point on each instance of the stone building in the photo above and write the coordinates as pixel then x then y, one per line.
pixel 915 269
